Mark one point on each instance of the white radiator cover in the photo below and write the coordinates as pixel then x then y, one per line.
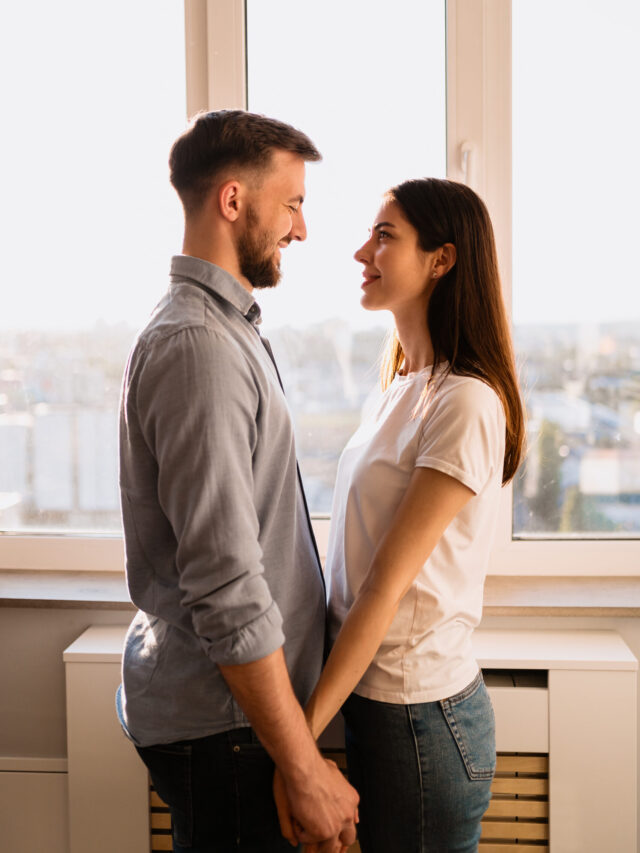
pixel 585 718
pixel 33 808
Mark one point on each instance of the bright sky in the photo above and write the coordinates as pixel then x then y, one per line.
pixel 576 70
pixel 96 96
pixel 87 218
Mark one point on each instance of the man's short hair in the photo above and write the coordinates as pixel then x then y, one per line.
pixel 217 140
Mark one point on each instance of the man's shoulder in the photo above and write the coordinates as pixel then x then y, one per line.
pixel 188 336
pixel 184 315
pixel 182 307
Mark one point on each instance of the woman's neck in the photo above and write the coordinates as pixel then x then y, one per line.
pixel 415 340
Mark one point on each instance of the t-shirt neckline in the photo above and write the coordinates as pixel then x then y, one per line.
pixel 402 379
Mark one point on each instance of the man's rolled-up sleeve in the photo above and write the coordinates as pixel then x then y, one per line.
pixel 197 404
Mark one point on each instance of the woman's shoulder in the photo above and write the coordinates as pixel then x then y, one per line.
pixel 469 393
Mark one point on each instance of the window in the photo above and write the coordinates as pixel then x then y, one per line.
pixel 576 307
pixel 385 93
pixel 350 87
pixel 89 222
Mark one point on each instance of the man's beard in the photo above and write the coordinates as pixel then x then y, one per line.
pixel 256 256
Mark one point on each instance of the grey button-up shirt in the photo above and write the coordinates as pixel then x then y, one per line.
pixel 220 556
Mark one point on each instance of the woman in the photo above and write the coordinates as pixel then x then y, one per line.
pixel 414 512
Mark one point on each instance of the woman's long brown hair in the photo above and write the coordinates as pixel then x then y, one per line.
pixel 466 316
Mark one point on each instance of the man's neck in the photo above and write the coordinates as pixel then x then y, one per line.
pixel 215 252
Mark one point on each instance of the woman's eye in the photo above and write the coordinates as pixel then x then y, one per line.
pixel 382 234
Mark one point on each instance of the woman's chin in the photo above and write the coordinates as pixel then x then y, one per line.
pixel 369 304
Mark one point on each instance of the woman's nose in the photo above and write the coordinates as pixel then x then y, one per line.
pixel 362 254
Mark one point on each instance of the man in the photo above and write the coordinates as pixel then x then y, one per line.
pixel 227 644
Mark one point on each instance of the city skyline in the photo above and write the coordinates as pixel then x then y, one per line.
pixel 59 401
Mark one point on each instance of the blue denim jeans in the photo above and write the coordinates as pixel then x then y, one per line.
pixel 423 771
pixel 219 792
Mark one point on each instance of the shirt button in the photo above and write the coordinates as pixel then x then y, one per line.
pixel 236 748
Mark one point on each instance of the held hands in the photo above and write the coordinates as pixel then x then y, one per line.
pixel 320 812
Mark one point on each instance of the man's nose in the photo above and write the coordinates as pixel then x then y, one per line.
pixel 298 227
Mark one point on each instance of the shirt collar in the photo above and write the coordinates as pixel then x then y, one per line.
pixel 216 280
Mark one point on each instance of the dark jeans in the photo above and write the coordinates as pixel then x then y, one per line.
pixel 219 792
pixel 423 771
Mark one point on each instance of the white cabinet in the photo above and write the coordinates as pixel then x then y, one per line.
pixel 584 718
pixel 108 784
pixel 33 806
pixel 581 711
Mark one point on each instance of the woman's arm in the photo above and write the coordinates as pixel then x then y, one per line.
pixel 431 502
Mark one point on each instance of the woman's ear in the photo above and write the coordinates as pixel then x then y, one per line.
pixel 446 259
pixel 229 200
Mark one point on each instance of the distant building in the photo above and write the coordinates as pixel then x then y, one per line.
pixel 610 472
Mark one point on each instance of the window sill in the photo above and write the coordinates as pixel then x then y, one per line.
pixel 504 596
pixel 561 596
pixel 51 589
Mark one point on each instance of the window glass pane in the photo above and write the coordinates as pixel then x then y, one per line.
pixel 95 95
pixel 368 87
pixel 576 289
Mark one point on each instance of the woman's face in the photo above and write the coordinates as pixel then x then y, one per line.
pixel 397 273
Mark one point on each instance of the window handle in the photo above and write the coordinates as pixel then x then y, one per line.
pixel 467 162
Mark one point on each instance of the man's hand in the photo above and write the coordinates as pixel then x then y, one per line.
pixel 320 811
pixel 322 804
pixel 284 810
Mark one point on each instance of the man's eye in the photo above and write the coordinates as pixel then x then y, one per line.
pixel 293 209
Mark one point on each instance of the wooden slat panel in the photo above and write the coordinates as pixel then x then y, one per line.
pixel 505 763
pixel 522 764
pixel 156 802
pixel 497 808
pixel 490 847
pixel 518 808
pixel 340 758
pixel 530 787
pixel 160 820
pixel 162 843
pixel 512 830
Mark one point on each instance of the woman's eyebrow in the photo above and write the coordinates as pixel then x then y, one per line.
pixel 383 225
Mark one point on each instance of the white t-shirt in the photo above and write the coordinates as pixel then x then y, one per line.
pixel 427 653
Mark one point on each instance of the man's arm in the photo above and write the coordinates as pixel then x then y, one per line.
pixel 320 799
pixel 197 410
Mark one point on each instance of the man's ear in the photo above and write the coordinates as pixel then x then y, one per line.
pixel 229 200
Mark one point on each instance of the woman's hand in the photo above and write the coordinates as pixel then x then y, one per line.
pixel 295 833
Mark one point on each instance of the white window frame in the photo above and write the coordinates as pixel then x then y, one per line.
pixel 478 152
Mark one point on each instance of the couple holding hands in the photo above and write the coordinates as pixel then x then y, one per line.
pixel 243 650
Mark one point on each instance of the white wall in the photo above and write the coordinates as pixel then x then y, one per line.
pixel 32 694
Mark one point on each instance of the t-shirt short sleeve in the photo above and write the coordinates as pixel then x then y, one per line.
pixel 463 432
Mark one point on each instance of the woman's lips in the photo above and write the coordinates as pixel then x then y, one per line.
pixel 368 279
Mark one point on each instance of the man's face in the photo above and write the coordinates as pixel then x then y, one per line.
pixel 273 218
